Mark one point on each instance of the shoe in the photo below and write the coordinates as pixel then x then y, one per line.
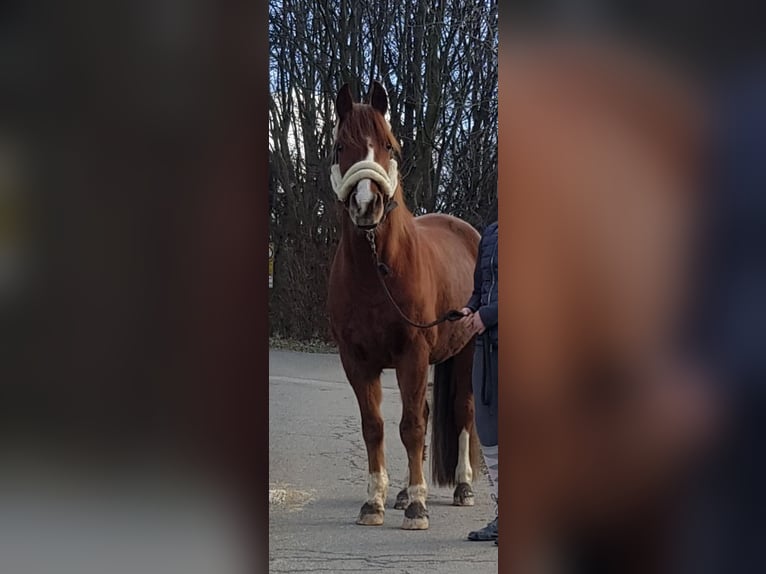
pixel 489 532
pixel 496 539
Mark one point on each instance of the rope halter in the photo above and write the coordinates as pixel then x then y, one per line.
pixel 365 169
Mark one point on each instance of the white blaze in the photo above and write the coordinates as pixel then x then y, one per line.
pixel 364 193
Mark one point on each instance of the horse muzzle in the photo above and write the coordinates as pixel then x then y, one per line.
pixel 366 206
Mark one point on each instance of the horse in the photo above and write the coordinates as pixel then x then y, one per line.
pixel 600 154
pixel 392 279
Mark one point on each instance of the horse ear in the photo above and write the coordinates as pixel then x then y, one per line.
pixel 379 97
pixel 344 102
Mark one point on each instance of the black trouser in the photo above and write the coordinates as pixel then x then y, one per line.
pixel 485 390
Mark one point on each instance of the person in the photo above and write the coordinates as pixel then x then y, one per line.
pixel 726 522
pixel 480 316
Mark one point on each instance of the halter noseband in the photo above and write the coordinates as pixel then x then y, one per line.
pixel 365 169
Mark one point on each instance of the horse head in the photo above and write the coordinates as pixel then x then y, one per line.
pixel 364 174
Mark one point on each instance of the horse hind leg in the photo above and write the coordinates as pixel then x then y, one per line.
pixel 468 443
pixel 369 396
pixel 468 446
pixel 463 495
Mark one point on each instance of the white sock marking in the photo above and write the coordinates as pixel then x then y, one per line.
pixel 418 492
pixel 464 472
pixel 377 488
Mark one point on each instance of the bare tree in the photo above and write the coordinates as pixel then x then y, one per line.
pixel 438 61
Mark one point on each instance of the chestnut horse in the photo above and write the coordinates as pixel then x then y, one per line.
pixel 426 267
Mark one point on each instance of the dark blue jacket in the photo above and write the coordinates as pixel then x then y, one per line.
pixel 484 297
pixel 730 333
pixel 732 330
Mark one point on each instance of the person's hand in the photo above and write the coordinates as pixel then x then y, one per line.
pixel 467 320
pixel 477 324
pixel 472 321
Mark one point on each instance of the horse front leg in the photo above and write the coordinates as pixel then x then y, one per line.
pixel 402 498
pixel 412 377
pixel 369 395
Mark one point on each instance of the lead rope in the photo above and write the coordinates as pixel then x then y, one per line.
pixel 383 270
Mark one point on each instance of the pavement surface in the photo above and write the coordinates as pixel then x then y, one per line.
pixel 318 482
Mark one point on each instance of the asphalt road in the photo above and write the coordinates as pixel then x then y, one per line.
pixel 318 478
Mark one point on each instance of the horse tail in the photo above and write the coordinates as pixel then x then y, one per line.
pixel 451 413
pixel 444 435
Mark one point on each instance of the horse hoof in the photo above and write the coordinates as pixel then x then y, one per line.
pixel 463 495
pixel 369 515
pixel 415 517
pixel 402 500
